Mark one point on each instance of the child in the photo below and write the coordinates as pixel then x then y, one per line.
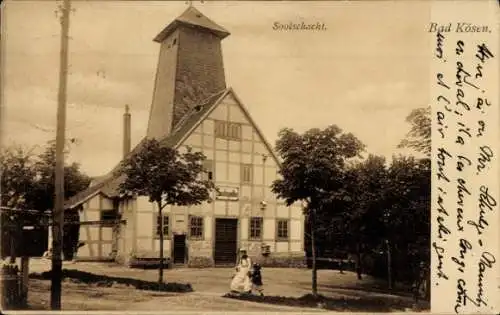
pixel 256 278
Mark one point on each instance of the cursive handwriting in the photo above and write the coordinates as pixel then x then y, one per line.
pixel 483 53
pixel 439 48
pixel 439 251
pixel 442 156
pixel 464 247
pixel 460 162
pixel 461 192
pixel 442 229
pixel 486 261
pixel 486 202
pixel 464 161
pixel 463 76
pixel 484 158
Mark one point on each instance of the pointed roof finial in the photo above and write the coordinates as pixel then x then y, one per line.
pixel 192 17
pixel 190 2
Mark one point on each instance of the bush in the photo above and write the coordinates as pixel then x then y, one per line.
pixel 107 281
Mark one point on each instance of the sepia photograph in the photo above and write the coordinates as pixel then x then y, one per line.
pixel 228 156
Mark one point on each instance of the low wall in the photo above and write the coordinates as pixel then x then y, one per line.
pixel 282 260
pixel 277 260
pixel 200 262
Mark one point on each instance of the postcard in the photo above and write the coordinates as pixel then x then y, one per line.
pixel 249 156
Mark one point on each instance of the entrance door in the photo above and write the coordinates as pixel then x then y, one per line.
pixel 226 241
pixel 179 248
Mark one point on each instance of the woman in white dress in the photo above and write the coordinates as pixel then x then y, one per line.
pixel 241 281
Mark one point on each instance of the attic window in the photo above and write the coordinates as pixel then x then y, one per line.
pixel 226 130
pixel 198 15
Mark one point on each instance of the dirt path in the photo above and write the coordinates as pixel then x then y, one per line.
pixel 209 285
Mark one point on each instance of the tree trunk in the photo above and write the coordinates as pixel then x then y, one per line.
pixel 313 252
pixel 358 262
pixel 389 264
pixel 160 273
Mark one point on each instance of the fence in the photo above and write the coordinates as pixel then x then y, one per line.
pixel 11 288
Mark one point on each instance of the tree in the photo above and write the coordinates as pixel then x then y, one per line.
pixel 313 171
pixel 167 177
pixel 389 212
pixel 409 207
pixel 44 191
pixel 17 177
pixel 419 136
pixel 28 181
pixel 366 183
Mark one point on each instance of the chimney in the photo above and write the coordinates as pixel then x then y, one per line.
pixel 126 132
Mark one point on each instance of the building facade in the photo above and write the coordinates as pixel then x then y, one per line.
pixel 192 107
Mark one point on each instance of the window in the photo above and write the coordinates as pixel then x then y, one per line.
pixel 174 42
pixel 220 129
pixel 208 167
pixel 246 173
pixel 282 229
pixel 165 226
pixel 226 130
pixel 235 131
pixel 255 228
pixel 109 215
pixel 196 227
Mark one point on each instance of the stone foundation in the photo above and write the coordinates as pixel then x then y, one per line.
pixel 122 259
pixel 282 260
pixel 200 256
pixel 200 262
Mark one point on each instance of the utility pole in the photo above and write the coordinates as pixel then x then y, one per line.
pixel 58 211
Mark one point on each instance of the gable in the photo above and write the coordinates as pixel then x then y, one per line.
pixel 229 109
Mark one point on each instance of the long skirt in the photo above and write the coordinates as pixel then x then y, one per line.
pixel 241 281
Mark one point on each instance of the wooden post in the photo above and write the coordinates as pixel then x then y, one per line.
pixel 58 211
pixel 160 273
pixel 312 218
pixel 25 265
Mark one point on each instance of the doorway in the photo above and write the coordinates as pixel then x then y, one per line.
pixel 226 241
pixel 179 249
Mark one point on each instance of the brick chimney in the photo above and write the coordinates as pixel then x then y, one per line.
pixel 190 69
pixel 126 132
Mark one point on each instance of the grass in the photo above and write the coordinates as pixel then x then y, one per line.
pixel 365 304
pixel 78 276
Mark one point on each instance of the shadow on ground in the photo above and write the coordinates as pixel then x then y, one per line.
pixel 107 281
pixel 366 285
pixel 371 289
pixel 365 304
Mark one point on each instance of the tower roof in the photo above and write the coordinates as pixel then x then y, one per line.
pixel 194 18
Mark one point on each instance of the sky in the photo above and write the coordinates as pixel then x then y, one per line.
pixel 364 73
